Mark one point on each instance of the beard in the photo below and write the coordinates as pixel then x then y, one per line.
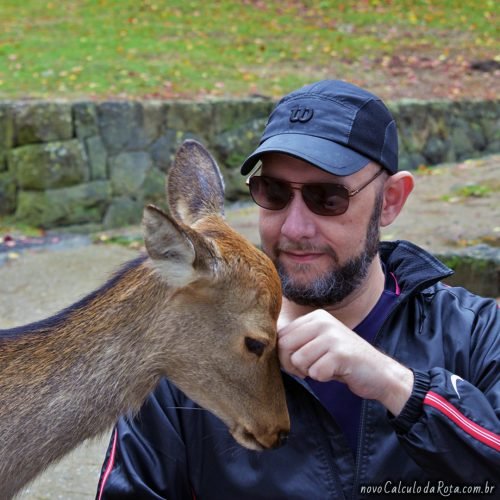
pixel 336 284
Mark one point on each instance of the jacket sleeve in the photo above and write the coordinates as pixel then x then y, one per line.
pixel 146 457
pixel 451 424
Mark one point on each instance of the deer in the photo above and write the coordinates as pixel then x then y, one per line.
pixel 199 307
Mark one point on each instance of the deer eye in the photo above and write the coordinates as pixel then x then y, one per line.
pixel 255 346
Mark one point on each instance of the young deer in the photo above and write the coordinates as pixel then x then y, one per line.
pixel 200 308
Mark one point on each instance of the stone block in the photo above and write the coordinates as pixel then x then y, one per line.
pixel 8 192
pixel 231 148
pixel 65 206
pixel 420 124
pixel 128 172
pixel 491 131
pixel 461 141
pixel 36 122
pixel 477 137
pixel 192 117
pixel 438 150
pixel 123 211
pixel 51 165
pixel 6 132
pixel 231 114
pixel 411 161
pixel 234 183
pixel 476 268
pixel 153 188
pixel 234 145
pixel 117 124
pixel 128 126
pixel 154 120
pixel 97 157
pixel 493 147
pixel 85 119
pixel 162 150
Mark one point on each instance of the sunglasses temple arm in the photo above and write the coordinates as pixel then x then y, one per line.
pixel 357 190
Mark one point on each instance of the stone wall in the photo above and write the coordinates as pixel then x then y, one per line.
pixel 476 268
pixel 93 165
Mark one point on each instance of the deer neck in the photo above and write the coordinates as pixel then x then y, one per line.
pixel 61 396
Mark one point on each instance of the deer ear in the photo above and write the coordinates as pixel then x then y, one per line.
pixel 170 249
pixel 195 186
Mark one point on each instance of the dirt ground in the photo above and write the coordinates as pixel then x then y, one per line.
pixel 452 206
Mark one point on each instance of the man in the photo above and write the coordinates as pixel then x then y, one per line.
pixel 392 378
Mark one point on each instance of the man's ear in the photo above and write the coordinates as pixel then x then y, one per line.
pixel 397 188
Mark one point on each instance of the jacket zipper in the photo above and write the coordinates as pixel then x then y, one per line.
pixel 401 299
pixel 405 294
pixel 358 451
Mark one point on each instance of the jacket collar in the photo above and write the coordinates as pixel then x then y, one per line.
pixel 414 267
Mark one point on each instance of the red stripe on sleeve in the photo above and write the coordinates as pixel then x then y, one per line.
pixel 466 424
pixel 109 467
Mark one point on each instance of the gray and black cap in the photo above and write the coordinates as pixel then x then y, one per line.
pixel 333 125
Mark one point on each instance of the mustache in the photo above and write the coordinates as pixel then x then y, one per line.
pixel 303 246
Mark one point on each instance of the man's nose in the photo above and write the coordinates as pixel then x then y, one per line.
pixel 299 220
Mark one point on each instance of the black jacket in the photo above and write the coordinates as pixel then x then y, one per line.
pixel 446 440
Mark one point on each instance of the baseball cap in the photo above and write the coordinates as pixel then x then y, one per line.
pixel 333 125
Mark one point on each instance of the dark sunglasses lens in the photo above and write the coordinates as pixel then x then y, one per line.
pixel 269 193
pixel 326 199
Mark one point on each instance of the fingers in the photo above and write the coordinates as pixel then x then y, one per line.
pixel 309 355
pixel 320 347
pixel 313 346
pixel 324 368
pixel 306 352
pixel 291 341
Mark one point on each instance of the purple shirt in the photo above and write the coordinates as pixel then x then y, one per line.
pixel 342 404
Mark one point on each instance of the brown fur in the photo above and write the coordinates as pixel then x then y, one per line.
pixel 182 312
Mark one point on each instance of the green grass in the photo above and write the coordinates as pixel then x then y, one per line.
pixel 135 48
pixel 468 191
pixel 10 226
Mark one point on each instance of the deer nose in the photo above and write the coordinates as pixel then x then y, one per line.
pixel 282 439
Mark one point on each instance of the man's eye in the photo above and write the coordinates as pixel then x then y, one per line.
pixel 254 346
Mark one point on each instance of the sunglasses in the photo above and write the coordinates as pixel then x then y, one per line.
pixel 320 198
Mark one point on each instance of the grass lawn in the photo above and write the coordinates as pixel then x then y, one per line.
pixel 182 48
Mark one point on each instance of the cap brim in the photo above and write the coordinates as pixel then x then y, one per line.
pixel 327 155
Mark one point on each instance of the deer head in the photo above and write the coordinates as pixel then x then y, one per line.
pixel 227 297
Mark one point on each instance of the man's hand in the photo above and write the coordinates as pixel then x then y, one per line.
pixel 321 347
